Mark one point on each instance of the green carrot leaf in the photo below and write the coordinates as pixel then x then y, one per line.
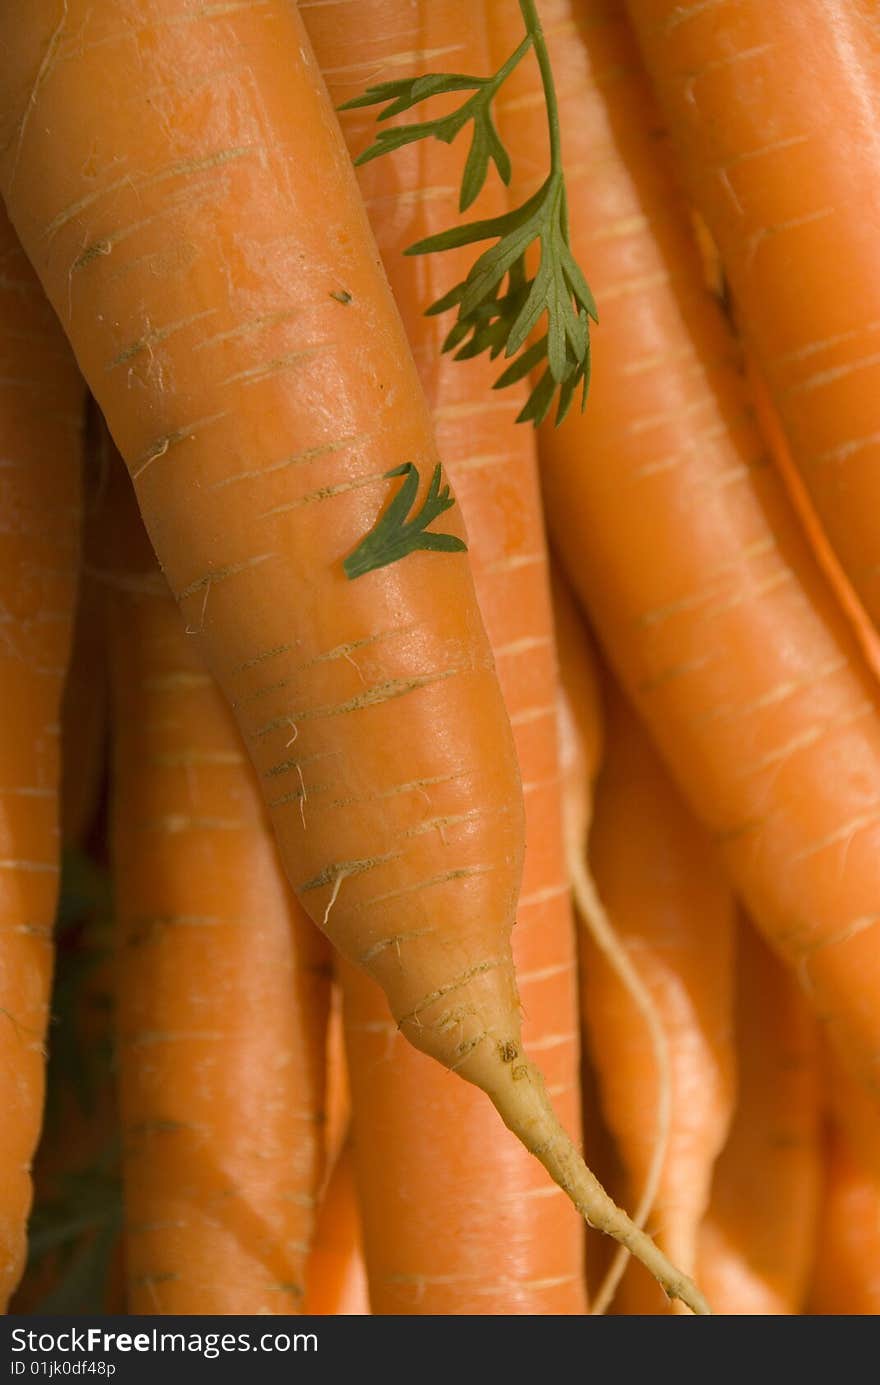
pixel 394 536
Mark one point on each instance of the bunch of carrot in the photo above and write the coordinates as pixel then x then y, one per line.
pixel 298 700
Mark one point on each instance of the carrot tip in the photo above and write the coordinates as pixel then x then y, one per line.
pixel 526 1110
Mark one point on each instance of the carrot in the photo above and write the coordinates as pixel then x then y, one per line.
pixel 223 984
pixel 41 401
pixel 413 1128
pixel 205 247
pixel 682 546
pixel 426 1160
pixel 336 1280
pixel 847 1274
pixel 793 219
pixel 672 913
pixel 757 1242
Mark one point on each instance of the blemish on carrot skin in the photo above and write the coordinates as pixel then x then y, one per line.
pixel 342 296
pixel 371 697
pixel 341 870
pixel 394 941
pixel 186 168
pixel 162 445
pixel 211 579
pixel 509 1051
pixel 92 252
pixel 519 1072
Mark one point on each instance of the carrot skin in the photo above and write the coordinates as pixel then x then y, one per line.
pixel 41 413
pixel 682 546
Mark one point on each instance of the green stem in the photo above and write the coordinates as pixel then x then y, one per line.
pixel 489 88
pixel 537 40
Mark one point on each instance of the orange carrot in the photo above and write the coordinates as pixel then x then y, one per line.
pixel 336 1280
pixel 682 545
pixel 223 986
pixel 672 912
pixel 793 216
pixel 41 400
pixel 757 1242
pixel 847 1275
pixel 448 1252
pixel 204 244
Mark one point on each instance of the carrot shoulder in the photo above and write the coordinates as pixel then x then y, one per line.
pixel 41 412
pixel 682 545
pixel 446 1255
pixel 787 176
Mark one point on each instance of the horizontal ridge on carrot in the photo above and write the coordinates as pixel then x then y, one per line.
pixel 202 240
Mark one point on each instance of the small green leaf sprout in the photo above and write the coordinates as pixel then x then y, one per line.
pixel 394 536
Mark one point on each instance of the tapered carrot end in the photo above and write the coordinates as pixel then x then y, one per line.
pixel 472 1027
pixel 522 1103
